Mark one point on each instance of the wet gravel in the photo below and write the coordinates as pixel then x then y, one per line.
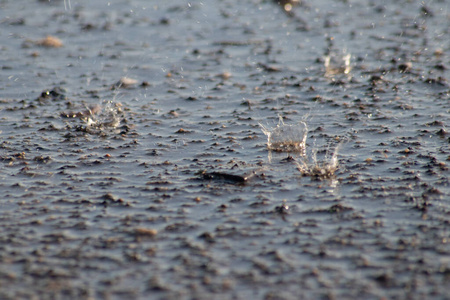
pixel 134 164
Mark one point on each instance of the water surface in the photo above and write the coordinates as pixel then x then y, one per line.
pixel 165 187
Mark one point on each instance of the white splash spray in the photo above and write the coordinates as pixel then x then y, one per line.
pixel 286 138
pixel 324 169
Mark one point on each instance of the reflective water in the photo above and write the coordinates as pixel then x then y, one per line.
pixel 163 186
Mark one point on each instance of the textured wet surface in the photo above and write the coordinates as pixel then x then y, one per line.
pixel 133 164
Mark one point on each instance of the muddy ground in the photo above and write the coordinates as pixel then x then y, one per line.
pixel 134 164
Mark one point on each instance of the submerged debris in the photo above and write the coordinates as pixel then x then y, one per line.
pixel 55 94
pixel 287 5
pixel 282 209
pixel 225 177
pixel 286 138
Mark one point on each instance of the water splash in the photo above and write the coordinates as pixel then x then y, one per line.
pixel 337 64
pixel 67 5
pixel 286 138
pixel 109 117
pixel 324 169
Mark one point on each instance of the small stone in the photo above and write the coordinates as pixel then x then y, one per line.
pixel 141 231
pixel 405 67
pixel 50 42
pixel 125 83
pixel 181 130
pixel 225 75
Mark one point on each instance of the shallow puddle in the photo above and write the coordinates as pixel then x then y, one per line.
pixel 133 164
